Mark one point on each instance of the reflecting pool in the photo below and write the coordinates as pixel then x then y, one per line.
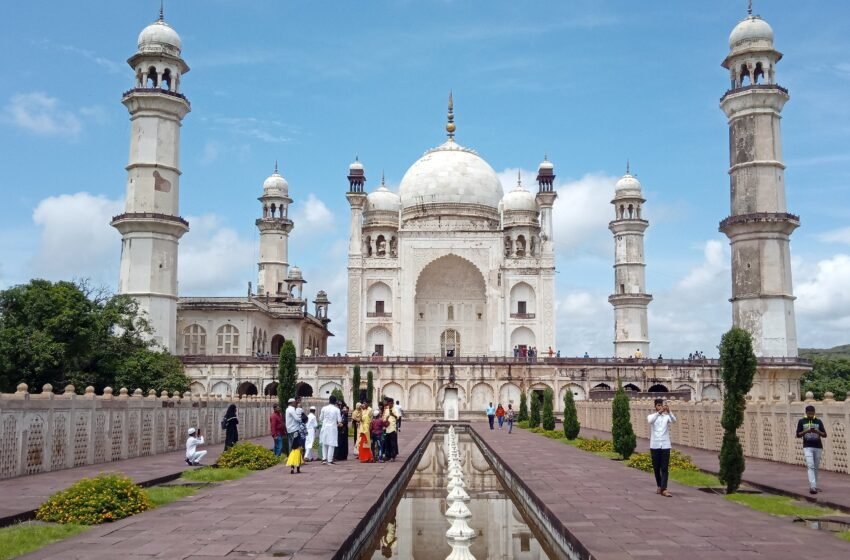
pixel 416 528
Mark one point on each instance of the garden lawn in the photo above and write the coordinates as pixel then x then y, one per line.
pixel 698 479
pixel 209 474
pixel 162 495
pixel 26 537
pixel 779 505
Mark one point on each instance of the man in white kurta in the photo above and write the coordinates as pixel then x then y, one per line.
pixel 312 424
pixel 330 418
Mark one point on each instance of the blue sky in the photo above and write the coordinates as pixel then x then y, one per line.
pixel 311 84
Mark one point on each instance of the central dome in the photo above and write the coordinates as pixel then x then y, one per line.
pixel 450 174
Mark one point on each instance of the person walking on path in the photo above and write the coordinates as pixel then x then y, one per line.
pixel 229 423
pixel 491 414
pixel 341 452
pixel 400 413
pixel 812 431
pixel 293 421
pixel 500 415
pixel 390 427
pixel 331 419
pixel 510 417
pixel 277 430
pixel 312 424
pixel 193 456
pixel 659 444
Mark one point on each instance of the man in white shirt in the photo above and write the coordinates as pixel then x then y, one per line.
pixel 193 456
pixel 400 413
pixel 312 424
pixel 659 444
pixel 292 419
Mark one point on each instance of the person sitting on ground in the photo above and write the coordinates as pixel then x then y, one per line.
pixel 193 456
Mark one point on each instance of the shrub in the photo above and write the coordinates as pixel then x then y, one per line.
pixel 108 497
pixel 355 385
pixel 571 423
pixel 548 419
pixel 370 388
pixel 523 424
pixel 523 409
pixel 595 445
pixel 249 456
pixel 534 415
pixel 737 368
pixel 621 424
pixel 678 461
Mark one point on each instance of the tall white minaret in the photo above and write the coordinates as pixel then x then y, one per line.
pixel 357 199
pixel 759 225
pixel 274 227
pixel 630 300
pixel 151 225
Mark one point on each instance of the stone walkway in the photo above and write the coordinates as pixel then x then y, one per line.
pixel 269 514
pixel 21 495
pixel 614 512
pixel 780 478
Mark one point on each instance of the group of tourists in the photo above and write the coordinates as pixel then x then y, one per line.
pixel 500 415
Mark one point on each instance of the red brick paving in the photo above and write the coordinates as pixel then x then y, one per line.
pixel 615 513
pixel 269 514
pixel 772 476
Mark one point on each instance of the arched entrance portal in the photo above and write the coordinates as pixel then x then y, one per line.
pixel 271 389
pixel 246 388
pixel 450 305
pixel 303 390
pixel 277 344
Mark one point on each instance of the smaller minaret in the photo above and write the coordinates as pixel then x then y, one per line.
pixel 546 196
pixel 357 199
pixel 630 300
pixel 274 226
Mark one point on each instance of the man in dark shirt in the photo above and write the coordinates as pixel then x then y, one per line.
pixel 812 431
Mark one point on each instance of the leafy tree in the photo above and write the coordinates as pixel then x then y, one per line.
pixel 147 370
pixel 829 373
pixel 622 432
pixel 737 368
pixel 355 385
pixel 287 374
pixel 571 423
pixel 337 392
pixel 548 410
pixel 522 415
pixel 370 387
pixel 534 417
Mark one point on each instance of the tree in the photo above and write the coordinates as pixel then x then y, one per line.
pixel 548 410
pixel 287 374
pixel 571 423
pixel 147 370
pixel 337 392
pixel 370 388
pixel 534 417
pixel 522 416
pixel 355 385
pixel 737 369
pixel 621 424
pixel 829 373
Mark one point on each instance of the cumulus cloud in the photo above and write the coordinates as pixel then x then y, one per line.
pixel 214 259
pixel 40 114
pixel 823 302
pixel 313 216
pixel 840 235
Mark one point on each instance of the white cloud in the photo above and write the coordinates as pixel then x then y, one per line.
pixel 823 302
pixel 76 240
pixel 38 113
pixel 585 323
pixel 313 216
pixel 214 259
pixel 840 235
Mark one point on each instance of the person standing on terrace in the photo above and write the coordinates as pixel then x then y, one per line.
pixel 660 445
pixel 491 414
pixel 812 431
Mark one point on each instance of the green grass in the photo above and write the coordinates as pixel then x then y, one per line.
pixel 161 495
pixel 209 474
pixel 778 505
pixel 23 538
pixel 698 479
pixel 843 535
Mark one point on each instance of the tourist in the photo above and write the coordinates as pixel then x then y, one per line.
pixel 491 414
pixel 330 418
pixel 376 430
pixel 364 445
pixel 391 436
pixel 277 430
pixel 356 420
pixel 292 420
pixel 659 444
pixel 638 355
pixel 193 456
pixel 295 458
pixel 510 417
pixel 341 451
pixel 229 423
pixel 400 413
pixel 311 425
pixel 558 354
pixel 516 351
pixel 586 355
pixel 812 431
pixel 500 415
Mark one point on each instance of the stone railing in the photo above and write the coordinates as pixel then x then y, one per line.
pixel 47 431
pixel 768 431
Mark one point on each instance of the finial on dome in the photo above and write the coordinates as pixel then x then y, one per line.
pixel 161 10
pixel 450 126
pixel 519 177
pixel 275 167
pixel 382 177
pixel 750 8
pixel 628 167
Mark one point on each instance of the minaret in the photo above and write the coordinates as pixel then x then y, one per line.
pixel 631 329
pixel 546 196
pixel 759 226
pixel 274 227
pixel 151 225
pixel 357 199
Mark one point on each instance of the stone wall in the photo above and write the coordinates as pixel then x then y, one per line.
pixel 768 431
pixel 48 431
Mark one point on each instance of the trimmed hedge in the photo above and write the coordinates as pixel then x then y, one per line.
pixel 248 455
pixel 595 445
pixel 678 461
pixel 90 501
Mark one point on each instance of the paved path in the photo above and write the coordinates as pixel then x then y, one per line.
pixel 614 512
pixel 268 514
pixel 781 478
pixel 21 495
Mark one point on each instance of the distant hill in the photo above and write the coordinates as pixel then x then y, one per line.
pixel 842 351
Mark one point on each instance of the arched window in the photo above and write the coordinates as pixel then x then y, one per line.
pixel 166 80
pixel 380 246
pixel 631 211
pixel 368 245
pixel 520 246
pixel 152 78
pixel 450 343
pixel 758 73
pixel 451 313
pixel 228 340
pixel 745 75
pixel 194 340
pixel 622 211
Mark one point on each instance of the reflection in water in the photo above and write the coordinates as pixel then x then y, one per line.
pixel 417 527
